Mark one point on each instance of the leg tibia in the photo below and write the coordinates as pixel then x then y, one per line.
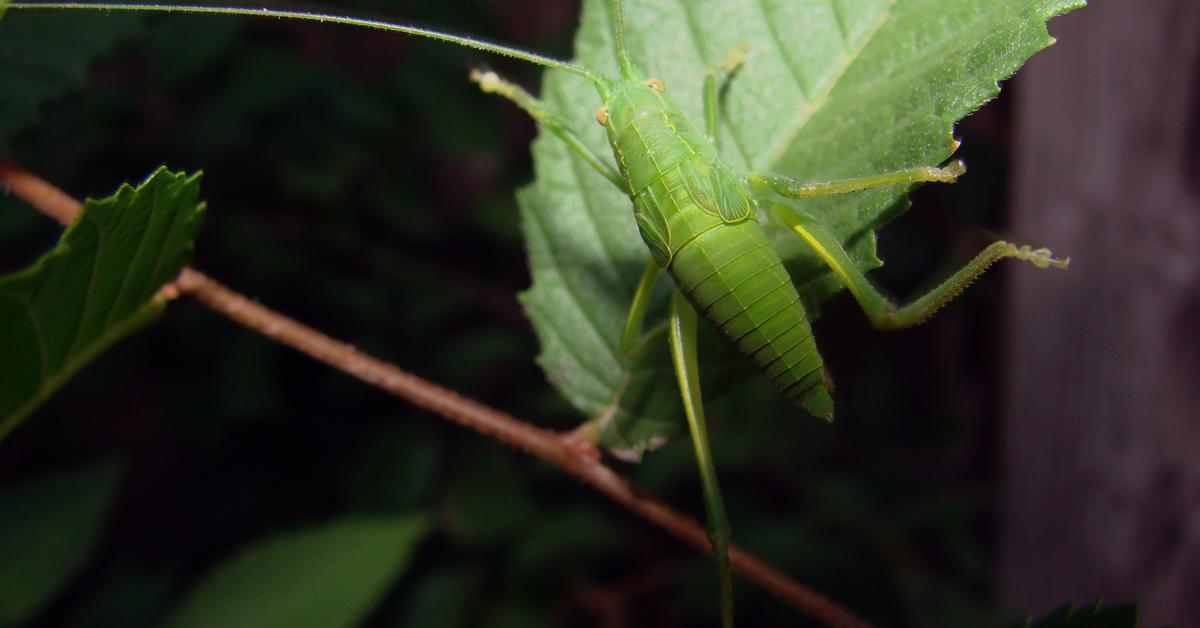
pixel 632 331
pixel 713 82
pixel 926 305
pixel 491 83
pixel 682 325
pixel 791 188
pixel 883 313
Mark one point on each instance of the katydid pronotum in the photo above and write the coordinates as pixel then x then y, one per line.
pixel 700 221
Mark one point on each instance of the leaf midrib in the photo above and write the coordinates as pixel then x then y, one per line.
pixel 935 49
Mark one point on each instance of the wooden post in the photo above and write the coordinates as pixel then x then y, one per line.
pixel 1101 427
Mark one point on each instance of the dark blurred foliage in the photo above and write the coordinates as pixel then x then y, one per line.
pixel 358 182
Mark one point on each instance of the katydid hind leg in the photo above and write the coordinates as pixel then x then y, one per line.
pixel 492 83
pixel 683 353
pixel 882 312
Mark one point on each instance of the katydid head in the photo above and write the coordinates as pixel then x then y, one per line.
pixel 626 99
pixel 632 91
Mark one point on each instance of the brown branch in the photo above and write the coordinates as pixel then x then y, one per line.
pixel 45 197
pixel 544 444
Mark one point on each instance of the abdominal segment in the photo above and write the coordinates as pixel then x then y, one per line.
pixel 733 278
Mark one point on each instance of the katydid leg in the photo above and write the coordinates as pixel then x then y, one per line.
pixel 682 326
pixel 718 75
pixel 792 188
pixel 491 83
pixel 882 312
pixel 632 331
pixel 585 437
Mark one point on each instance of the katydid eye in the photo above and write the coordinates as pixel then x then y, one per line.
pixel 602 115
pixel 656 85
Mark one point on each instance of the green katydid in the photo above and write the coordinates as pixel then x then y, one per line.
pixel 700 221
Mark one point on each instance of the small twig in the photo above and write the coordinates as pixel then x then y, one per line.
pixel 544 444
pixel 44 197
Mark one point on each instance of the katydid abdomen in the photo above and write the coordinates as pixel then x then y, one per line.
pixel 698 220
pixel 733 278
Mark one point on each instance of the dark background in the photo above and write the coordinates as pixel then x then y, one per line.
pixel 359 183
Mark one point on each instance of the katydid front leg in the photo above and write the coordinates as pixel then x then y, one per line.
pixel 491 83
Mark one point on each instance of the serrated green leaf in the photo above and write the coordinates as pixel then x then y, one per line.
pixel 830 89
pixel 325 576
pixel 49 528
pixel 96 286
pixel 44 54
pixel 1095 615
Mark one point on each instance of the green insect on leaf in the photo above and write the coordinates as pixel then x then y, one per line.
pixel 758 160
pixel 829 90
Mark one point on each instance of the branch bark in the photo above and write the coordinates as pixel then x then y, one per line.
pixel 547 445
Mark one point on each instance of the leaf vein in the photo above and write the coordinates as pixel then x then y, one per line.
pixel 796 75
pixel 576 300
pixel 39 335
pixel 153 276
pixel 797 125
pixel 137 252
pixel 840 21
pixel 87 297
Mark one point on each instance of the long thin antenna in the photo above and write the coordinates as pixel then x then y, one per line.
pixel 315 17
pixel 616 10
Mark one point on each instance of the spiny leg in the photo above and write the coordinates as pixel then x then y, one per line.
pixel 883 313
pixel 682 326
pixel 792 188
pixel 717 75
pixel 491 83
